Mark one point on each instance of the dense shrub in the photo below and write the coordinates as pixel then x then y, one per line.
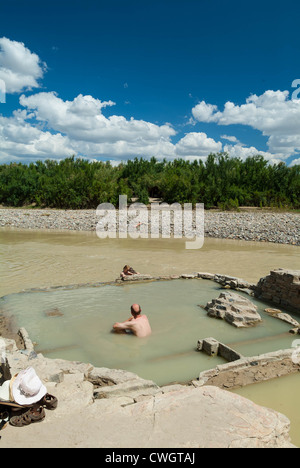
pixel 221 181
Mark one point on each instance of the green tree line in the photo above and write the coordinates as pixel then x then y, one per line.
pixel 220 181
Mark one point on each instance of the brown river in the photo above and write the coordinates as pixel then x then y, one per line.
pixel 36 259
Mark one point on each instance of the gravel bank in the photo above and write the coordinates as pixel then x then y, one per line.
pixel 282 228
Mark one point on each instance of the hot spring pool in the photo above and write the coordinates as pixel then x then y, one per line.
pixel 83 330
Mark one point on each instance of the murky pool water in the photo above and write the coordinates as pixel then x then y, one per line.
pixel 81 327
pixel 281 395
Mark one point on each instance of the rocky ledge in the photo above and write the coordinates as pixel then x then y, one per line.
pixel 100 407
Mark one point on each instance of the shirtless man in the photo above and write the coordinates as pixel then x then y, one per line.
pixel 138 324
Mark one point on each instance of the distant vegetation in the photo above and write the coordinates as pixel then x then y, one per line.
pixel 221 181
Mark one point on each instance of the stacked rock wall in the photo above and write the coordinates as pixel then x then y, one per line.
pixel 281 287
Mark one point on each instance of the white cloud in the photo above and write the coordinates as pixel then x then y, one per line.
pixel 49 127
pixel 242 152
pixel 233 139
pixel 93 134
pixel 197 145
pixel 19 140
pixel 272 113
pixel 82 119
pixel 204 112
pixel 295 162
pixel 20 69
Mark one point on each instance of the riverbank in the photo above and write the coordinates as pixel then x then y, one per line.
pixel 258 226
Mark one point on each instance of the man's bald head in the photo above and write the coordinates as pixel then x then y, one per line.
pixel 136 310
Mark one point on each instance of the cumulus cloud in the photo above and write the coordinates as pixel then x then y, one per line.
pixel 272 113
pixel 83 119
pixel 205 112
pixel 295 162
pixel 48 126
pixel 20 69
pixel 232 139
pixel 19 140
pixel 242 152
pixel 197 145
pixel 92 133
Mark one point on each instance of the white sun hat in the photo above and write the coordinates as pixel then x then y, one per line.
pixel 27 388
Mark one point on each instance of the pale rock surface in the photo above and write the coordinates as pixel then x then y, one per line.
pixel 188 417
pixel 163 417
pixel 283 316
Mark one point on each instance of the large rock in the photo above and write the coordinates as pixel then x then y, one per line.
pixel 187 417
pixel 213 418
pixel 234 309
pixel 281 287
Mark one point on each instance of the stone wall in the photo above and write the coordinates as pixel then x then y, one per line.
pixel 281 287
pixel 251 370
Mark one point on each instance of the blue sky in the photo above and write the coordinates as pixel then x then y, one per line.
pixel 119 79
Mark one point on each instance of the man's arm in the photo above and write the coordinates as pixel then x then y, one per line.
pixel 123 326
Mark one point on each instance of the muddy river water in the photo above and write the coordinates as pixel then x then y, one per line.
pixel 37 259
